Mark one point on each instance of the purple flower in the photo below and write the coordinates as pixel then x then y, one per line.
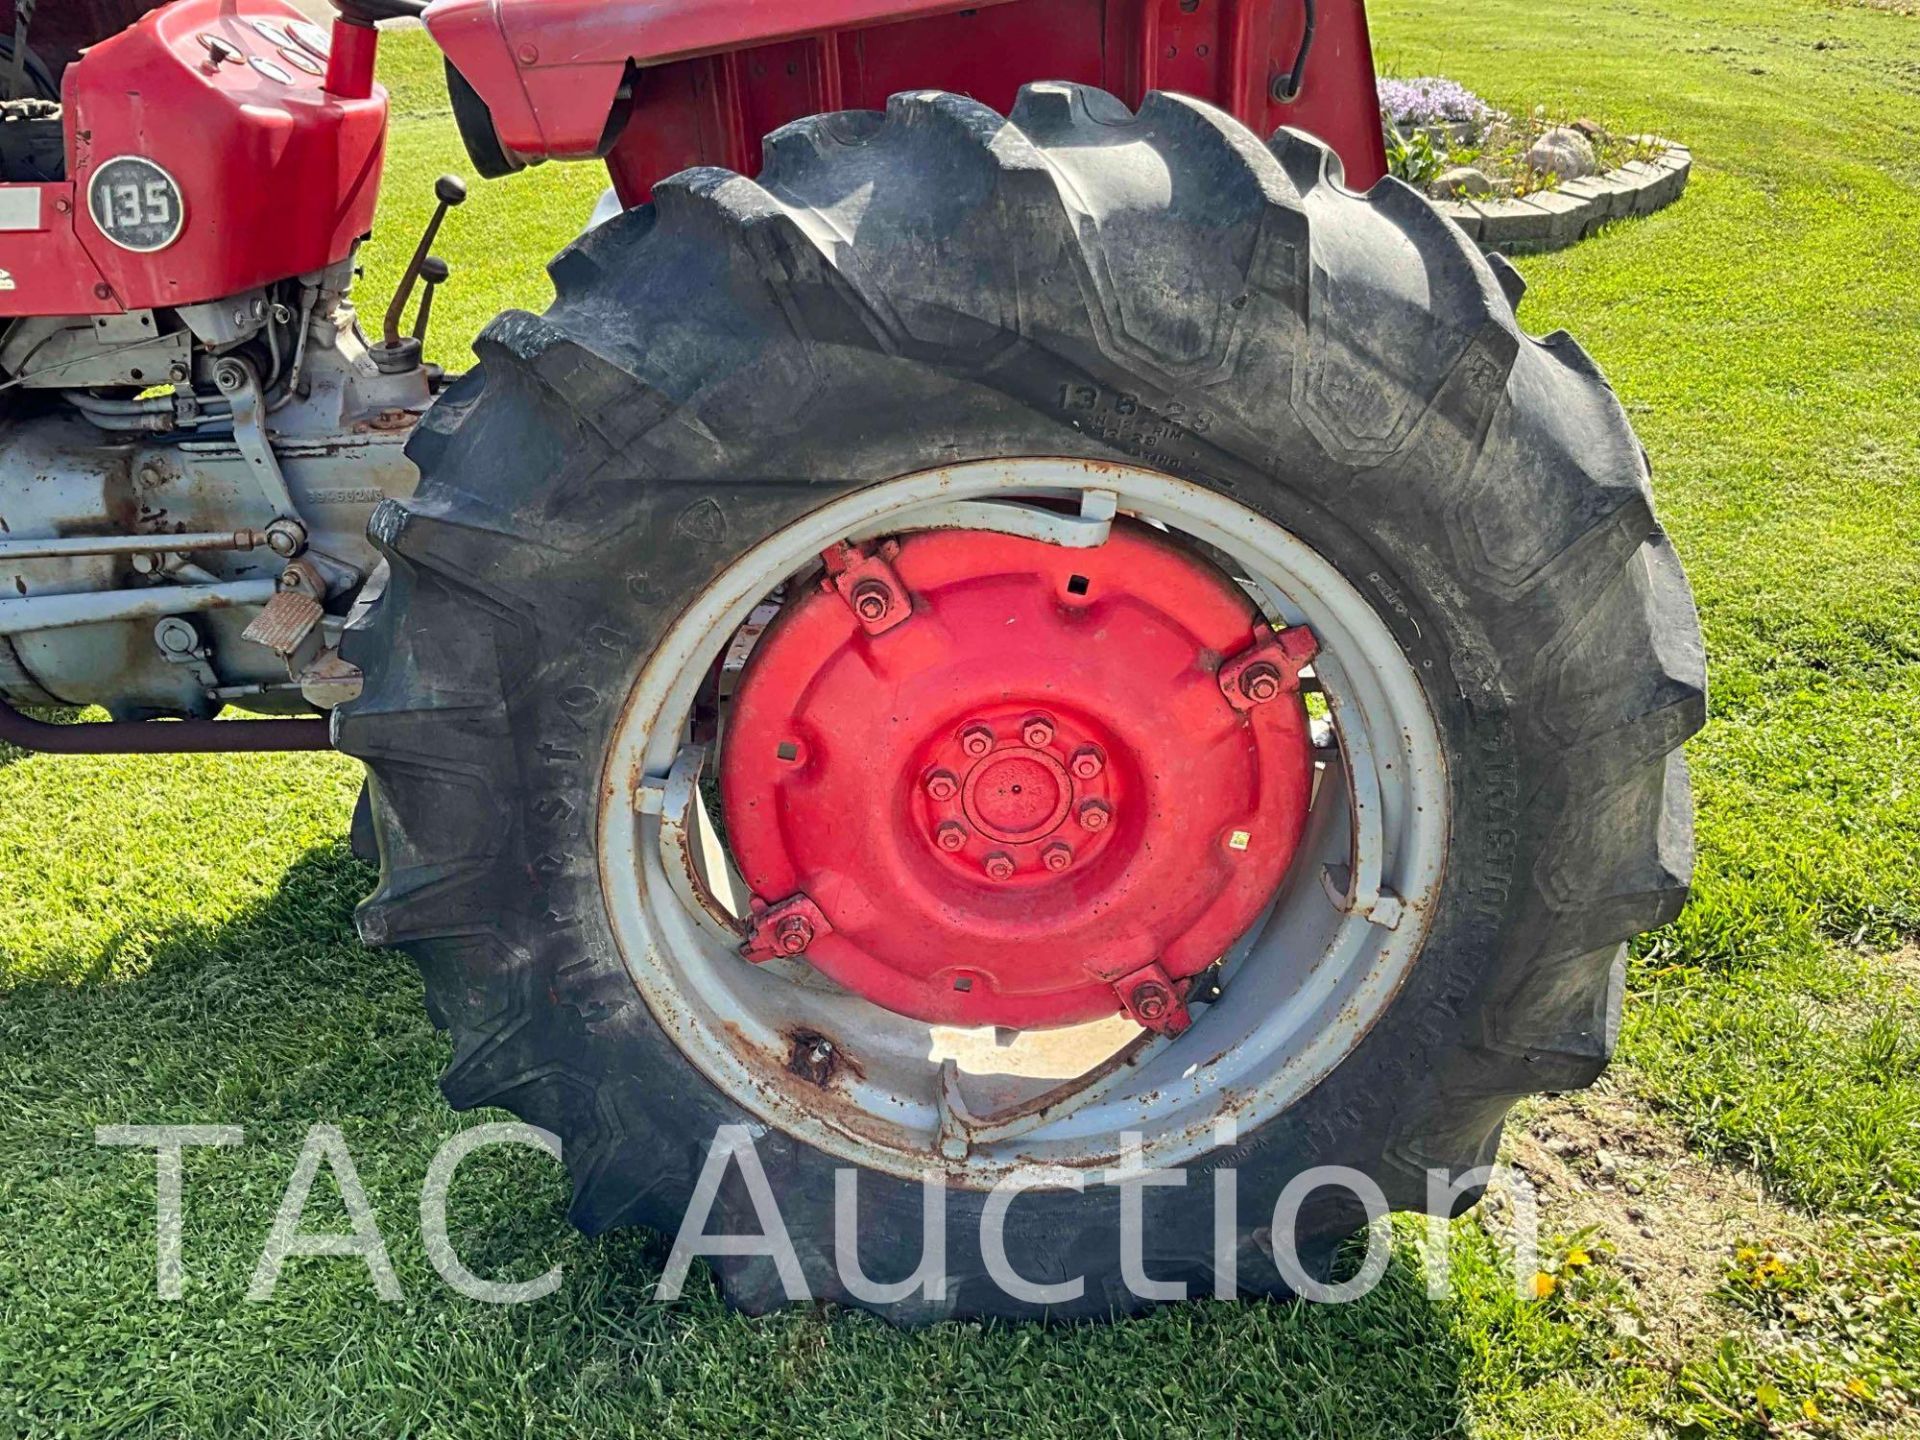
pixel 1431 100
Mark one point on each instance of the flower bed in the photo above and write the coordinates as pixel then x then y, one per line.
pixel 1535 183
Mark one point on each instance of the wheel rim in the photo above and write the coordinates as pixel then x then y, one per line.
pixel 874 1088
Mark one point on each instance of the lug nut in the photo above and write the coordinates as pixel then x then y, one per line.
pixel 951 836
pixel 1057 857
pixel 1094 815
pixel 1037 732
pixel 999 866
pixel 976 740
pixel 1260 683
pixel 872 600
pixel 1088 762
pixel 793 935
pixel 1150 1001
pixel 941 785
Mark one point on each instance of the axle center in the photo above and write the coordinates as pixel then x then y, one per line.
pixel 1018 795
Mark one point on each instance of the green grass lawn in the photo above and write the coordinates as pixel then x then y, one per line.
pixel 176 946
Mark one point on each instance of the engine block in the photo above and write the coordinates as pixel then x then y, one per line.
pixel 143 540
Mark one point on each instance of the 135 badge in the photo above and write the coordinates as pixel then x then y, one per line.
pixel 136 204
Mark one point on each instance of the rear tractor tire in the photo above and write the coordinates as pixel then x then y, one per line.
pixel 1108 406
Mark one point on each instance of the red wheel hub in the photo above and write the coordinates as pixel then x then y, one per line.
pixel 982 780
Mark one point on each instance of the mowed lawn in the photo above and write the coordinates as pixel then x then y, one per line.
pixel 1735 1239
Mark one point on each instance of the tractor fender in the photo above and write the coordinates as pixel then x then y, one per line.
pixel 550 70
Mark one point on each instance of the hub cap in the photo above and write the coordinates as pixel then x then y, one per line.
pixel 1028 801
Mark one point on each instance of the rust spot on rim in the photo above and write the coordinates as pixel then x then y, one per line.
pixel 816 1059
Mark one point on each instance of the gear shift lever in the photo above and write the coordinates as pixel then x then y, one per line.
pixel 397 353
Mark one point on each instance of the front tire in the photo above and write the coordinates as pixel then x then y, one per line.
pixel 939 286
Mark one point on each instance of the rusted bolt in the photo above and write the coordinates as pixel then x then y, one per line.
pixel 951 836
pixel 976 740
pixel 999 866
pixel 942 785
pixel 1260 683
pixel 1088 762
pixel 793 935
pixel 872 600
pixel 1038 732
pixel 1151 1000
pixel 1057 857
pixel 1094 815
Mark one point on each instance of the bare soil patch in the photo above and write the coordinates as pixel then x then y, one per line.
pixel 1668 1221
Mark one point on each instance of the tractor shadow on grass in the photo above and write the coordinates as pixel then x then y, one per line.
pixel 277 1019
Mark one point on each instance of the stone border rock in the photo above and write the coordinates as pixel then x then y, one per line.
pixel 1555 219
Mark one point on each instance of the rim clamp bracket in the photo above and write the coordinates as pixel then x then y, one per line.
pixel 784 930
pixel 866 580
pixel 1269 668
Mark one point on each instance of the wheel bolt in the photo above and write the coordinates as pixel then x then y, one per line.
pixel 1150 1001
pixel 1260 683
pixel 793 935
pixel 872 600
pixel 942 785
pixel 976 740
pixel 1038 732
pixel 999 866
pixel 1057 857
pixel 951 836
pixel 1094 815
pixel 1088 762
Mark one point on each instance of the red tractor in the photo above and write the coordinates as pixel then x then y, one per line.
pixel 1045 615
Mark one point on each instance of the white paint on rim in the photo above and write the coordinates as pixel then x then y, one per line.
pixel 1304 987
